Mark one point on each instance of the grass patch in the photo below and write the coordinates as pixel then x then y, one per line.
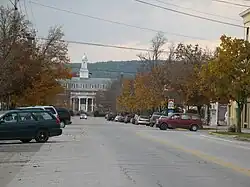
pixel 235 135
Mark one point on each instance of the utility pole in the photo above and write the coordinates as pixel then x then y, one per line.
pixel 15 15
pixel 15 9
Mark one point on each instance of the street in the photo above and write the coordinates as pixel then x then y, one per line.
pixel 95 152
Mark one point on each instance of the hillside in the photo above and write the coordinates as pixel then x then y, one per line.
pixel 110 69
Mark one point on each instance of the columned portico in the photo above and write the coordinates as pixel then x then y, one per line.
pixel 83 103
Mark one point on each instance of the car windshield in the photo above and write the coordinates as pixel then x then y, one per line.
pixel 146 117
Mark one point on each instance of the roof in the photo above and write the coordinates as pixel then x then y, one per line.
pixel 16 110
pixel 37 106
pixel 91 80
pixel 244 13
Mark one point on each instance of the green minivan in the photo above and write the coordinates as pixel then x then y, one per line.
pixel 25 125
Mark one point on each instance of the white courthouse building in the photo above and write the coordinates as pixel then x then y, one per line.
pixel 82 89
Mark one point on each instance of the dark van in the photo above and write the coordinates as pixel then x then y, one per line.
pixel 64 116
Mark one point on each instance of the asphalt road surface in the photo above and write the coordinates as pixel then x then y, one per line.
pixel 97 153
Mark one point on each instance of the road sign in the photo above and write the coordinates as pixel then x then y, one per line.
pixel 171 104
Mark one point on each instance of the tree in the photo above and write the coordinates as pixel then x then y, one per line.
pixel 143 92
pixel 153 57
pixel 153 64
pixel 13 52
pixel 38 66
pixel 192 57
pixel 106 100
pixel 231 69
pixel 126 100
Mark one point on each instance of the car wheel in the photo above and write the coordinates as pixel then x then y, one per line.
pixel 25 140
pixel 42 136
pixel 62 124
pixel 194 128
pixel 163 126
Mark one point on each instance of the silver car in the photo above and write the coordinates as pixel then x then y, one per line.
pixel 143 120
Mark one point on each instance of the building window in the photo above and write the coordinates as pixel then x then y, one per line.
pixel 92 86
pixel 82 85
pixel 247 34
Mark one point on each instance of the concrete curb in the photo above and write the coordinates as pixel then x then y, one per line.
pixel 235 137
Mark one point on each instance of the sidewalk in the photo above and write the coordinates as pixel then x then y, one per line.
pixel 222 128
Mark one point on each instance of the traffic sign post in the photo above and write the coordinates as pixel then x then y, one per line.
pixel 170 106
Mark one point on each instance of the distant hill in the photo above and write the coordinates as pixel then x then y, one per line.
pixel 110 69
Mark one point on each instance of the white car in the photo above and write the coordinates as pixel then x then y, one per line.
pixel 83 116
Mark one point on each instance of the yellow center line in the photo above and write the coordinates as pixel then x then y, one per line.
pixel 199 154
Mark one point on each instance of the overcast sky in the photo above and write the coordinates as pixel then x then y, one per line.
pixel 79 28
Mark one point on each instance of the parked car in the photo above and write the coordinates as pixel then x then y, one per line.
pixel 83 116
pixel 154 117
pixel 119 118
pixel 189 121
pixel 143 120
pixel 64 116
pixel 52 109
pixel 128 118
pixel 111 116
pixel 157 120
pixel 133 120
pixel 71 112
pixel 25 125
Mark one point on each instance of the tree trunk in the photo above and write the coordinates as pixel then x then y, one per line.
pixel 199 109
pixel 208 114
pixel 239 111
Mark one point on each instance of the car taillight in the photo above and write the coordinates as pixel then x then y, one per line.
pixel 58 120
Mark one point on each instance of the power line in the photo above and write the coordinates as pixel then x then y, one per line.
pixel 231 3
pixel 102 45
pixel 198 11
pixel 25 8
pixel 32 15
pixel 12 2
pixel 188 14
pixel 116 22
